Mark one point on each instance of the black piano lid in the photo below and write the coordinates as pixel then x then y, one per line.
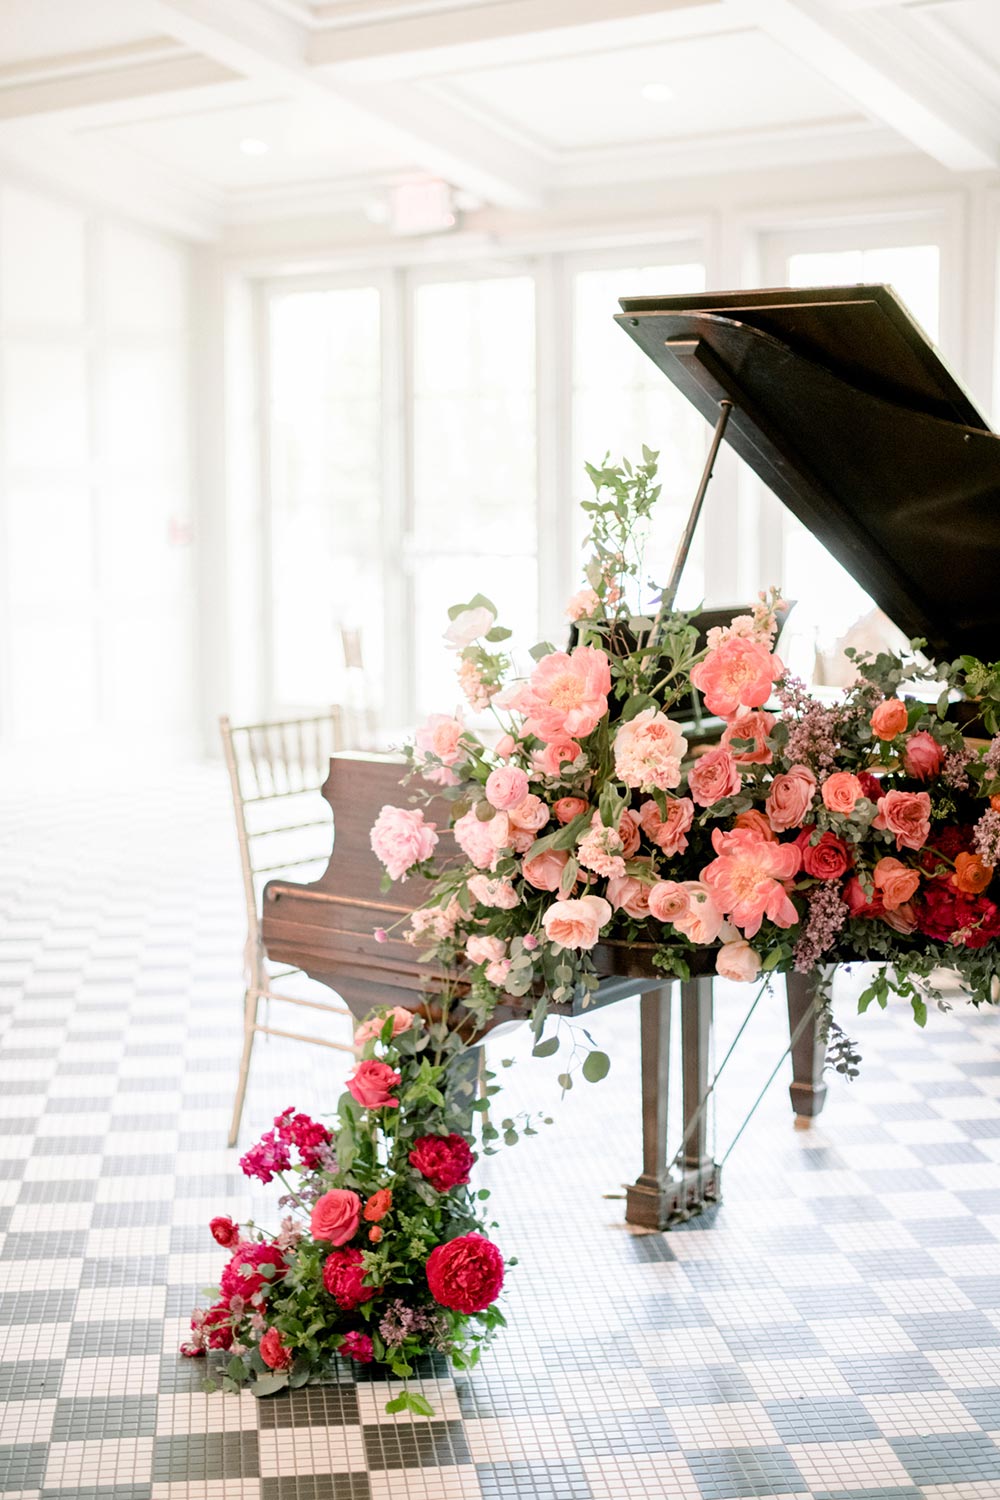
pixel 846 411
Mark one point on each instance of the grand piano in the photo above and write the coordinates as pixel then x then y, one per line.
pixel 837 400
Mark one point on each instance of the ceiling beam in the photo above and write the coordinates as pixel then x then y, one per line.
pixel 252 39
pixel 85 96
pixel 873 57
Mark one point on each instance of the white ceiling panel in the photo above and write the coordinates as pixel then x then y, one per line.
pixel 974 24
pixel 717 84
pixel 51 28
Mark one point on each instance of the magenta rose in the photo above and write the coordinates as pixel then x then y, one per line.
pixel 273 1352
pixel 714 776
pixel 445 1160
pixel 357 1346
pixel 923 756
pixel 371 1084
pixel 336 1216
pixel 344 1279
pixel 466 1274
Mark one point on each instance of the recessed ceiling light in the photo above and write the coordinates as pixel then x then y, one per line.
pixel 251 146
pixel 657 93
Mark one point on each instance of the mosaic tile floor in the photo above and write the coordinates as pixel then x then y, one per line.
pixel 832 1331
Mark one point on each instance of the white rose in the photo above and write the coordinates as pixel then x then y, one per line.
pixel 468 627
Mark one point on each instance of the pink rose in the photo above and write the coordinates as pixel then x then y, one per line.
pixel 568 808
pixel 567 694
pixel 371 1084
pixel 497 971
pixel 628 832
pixel 736 674
pixel 751 724
pixel 550 760
pixel 475 840
pixel 703 920
pixel 402 1020
pixel 889 719
pixel 401 839
pixel 902 919
pixel 755 820
pixel 484 950
pixel 790 798
pixel 923 756
pixel 895 882
pixel 841 792
pixel 545 871
pixel 630 895
pixel 576 924
pixel 506 787
pixel 499 894
pixel 907 815
pixel 713 776
pixel 468 626
pixel 669 833
pixel 668 900
pixel 649 750
pixel 336 1215
pixel 530 814
pixel 505 747
pixel 738 961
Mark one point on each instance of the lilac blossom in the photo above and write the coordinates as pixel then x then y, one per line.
pixel 826 916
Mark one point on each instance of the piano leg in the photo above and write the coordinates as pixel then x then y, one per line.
pixel 807 1089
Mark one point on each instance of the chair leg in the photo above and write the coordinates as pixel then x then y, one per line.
pixel 250 1002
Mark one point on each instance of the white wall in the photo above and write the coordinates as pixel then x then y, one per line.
pixel 96 526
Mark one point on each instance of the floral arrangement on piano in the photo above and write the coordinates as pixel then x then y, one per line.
pixel 381 1256
pixel 587 830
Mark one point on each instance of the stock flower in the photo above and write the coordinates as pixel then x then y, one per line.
pixel 357 1346
pixel 629 894
pixel 602 849
pixel 648 751
pixel 829 858
pixel 972 874
pixel 747 879
pixel 241 1277
pixel 738 961
pixel 499 894
pixel 566 809
pixel 268 1157
pixel 224 1231
pixel 465 1274
pixel 344 1279
pixel 737 674
pixel 907 815
pixel 273 1352
pixel 790 798
pixel 308 1136
pixel 336 1216
pixel 668 833
pixel 372 1083
pixel 444 1160
pixel 566 694
pixel 478 691
pixel 402 1020
pixel 713 776
pixel 545 871
pixel 895 882
pixel 923 756
pixel 473 836
pixel 506 786
pixel 433 922
pixel 841 792
pixel 889 719
pixel 401 838
pixel 468 626
pixel 576 924
pixel 750 724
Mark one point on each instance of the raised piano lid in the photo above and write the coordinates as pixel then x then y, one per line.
pixel 847 412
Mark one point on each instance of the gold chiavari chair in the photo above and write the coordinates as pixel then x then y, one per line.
pixel 275 772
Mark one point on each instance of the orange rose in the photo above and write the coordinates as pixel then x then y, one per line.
pixel 971 874
pixel 895 882
pixel 889 719
pixel 378 1205
pixel 841 792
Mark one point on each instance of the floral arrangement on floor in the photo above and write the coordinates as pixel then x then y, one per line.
pixel 804 833
pixel 382 1255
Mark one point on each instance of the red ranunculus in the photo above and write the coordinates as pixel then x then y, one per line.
pixel 233 1282
pixel 445 1160
pixel 465 1274
pixel 357 1346
pixel 344 1279
pixel 224 1231
pixel 828 859
pixel 953 917
pixel 372 1083
pixel 273 1352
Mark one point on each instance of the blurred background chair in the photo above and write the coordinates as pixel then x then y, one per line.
pixel 283 824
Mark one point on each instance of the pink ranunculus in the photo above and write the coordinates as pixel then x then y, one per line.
pixel 468 627
pixel 549 761
pixel 713 776
pixel 738 961
pixel 628 894
pixel 402 1020
pixel 336 1216
pixel 401 839
pixel 567 694
pixel 790 798
pixel 923 756
pixel 736 674
pixel 648 751
pixel 841 792
pixel 703 920
pixel 371 1084
pixel 506 787
pixel 473 836
pixel 601 849
pixel 565 809
pixel 484 950
pixel 584 604
pixel 907 815
pixel 668 900
pixel 751 724
pixel 545 871
pixel 499 894
pixel 576 924
pixel 668 833
pixel 895 882
pixel 747 879
pixel 273 1352
pixel 628 832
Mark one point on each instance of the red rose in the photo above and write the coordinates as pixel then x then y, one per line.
pixel 224 1231
pixel 357 1346
pixel 828 859
pixel 465 1274
pixel 217 1326
pixel 233 1282
pixel 344 1279
pixel 372 1083
pixel 445 1160
pixel 273 1352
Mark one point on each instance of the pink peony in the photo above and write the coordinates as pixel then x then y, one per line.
pixel 567 695
pixel 907 815
pixel 357 1346
pixel 371 1084
pixel 444 1160
pixel 402 1020
pixel 506 787
pixel 401 839
pixel 273 1352
pixel 566 809
pixel 602 849
pixel 465 1274
pixel 751 724
pixel 669 833
pixel 344 1279
pixel 628 894
pixel 736 674
pixel 790 798
pixel 747 878
pixel 703 920
pixel 738 961
pixel 549 761
pixel 336 1216
pixel 498 894
pixel 576 924
pixel 668 900
pixel 713 776
pixel 484 950
pixel 584 605
pixel 841 792
pixel 473 836
pixel 923 756
pixel 648 751
pixel 545 871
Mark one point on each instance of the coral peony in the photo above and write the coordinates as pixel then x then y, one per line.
pixel 335 1216
pixel 668 833
pixel 567 694
pixel 465 1274
pixel 357 1346
pixel 371 1084
pixel 752 725
pixel 648 751
pixel 736 674
pixel 713 776
pixel 402 1020
pixel 401 838
pixel 576 924
pixel 907 815
pixel 444 1160
pixel 747 878
pixel 889 719
pixel 275 1354
pixel 628 894
pixel 344 1279
pixel 790 798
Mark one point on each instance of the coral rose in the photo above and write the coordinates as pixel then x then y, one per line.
pixel 972 874
pixel 668 833
pixel 923 756
pixel 713 776
pixel 895 882
pixel 841 792
pixel 576 924
pixel 336 1216
pixel 704 919
pixel 568 808
pixel 828 859
pixel 402 1020
pixel 466 1274
pixel 668 900
pixel 752 724
pixel 444 1160
pixel 907 815
pixel 357 1346
pixel 344 1279
pixel 747 879
pixel 378 1205
pixel 736 674
pixel 859 902
pixel 628 894
pixel 738 961
pixel 371 1084
pixel 473 836
pixel 224 1231
pixel 790 798
pixel 648 751
pixel 273 1352
pixel 401 838
pixel 506 787
pixel 545 871
pixel 889 719
pixel 567 694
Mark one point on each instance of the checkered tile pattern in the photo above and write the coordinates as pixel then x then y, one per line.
pixel 831 1332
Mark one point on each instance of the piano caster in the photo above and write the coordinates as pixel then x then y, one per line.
pixel 652 1205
